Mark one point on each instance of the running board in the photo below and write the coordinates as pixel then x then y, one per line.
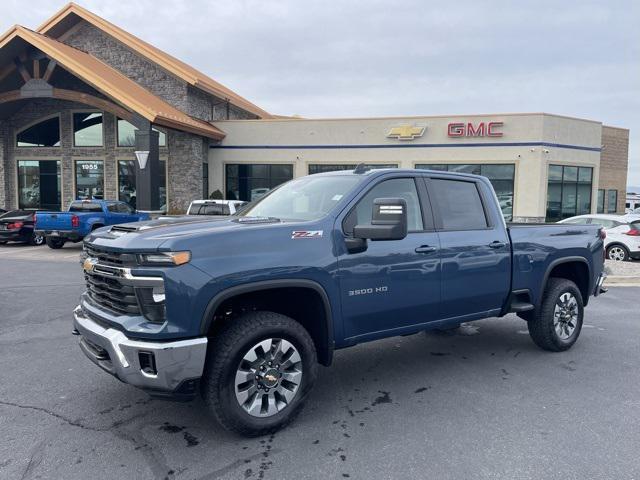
pixel 517 307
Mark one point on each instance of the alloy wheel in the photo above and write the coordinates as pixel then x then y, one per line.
pixel 268 377
pixel 565 315
pixel 616 253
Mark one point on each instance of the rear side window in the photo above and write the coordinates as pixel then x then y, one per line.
pixel 215 209
pixel 85 207
pixel 459 204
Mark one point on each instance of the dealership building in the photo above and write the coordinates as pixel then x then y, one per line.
pixel 89 110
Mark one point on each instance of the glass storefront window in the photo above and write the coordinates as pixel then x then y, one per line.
pixel 89 179
pixel 249 182
pixel 320 168
pixel 600 201
pixel 39 184
pixel 500 175
pixel 612 201
pixel 568 192
pixel 127 183
pixel 42 134
pixel 87 129
pixel 127 136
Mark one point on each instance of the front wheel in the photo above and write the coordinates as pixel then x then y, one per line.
pixel 617 253
pixel 557 324
pixel 259 371
pixel 55 243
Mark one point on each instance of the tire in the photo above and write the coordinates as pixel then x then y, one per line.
pixel 226 363
pixel 560 335
pixel 55 243
pixel 617 253
pixel 37 240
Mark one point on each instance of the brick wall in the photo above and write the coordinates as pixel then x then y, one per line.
pixel 614 161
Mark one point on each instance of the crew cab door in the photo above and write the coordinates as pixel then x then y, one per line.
pixel 474 247
pixel 396 283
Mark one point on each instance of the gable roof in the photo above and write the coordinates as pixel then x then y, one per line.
pixel 111 83
pixel 59 23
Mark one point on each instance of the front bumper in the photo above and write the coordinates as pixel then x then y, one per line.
pixel 177 365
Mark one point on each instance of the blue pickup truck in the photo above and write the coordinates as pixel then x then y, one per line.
pixel 83 217
pixel 242 309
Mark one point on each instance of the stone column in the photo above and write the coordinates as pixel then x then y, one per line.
pixel 148 179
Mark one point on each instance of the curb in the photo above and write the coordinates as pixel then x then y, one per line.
pixel 622 281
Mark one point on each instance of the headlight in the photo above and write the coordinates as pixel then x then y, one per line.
pixel 164 258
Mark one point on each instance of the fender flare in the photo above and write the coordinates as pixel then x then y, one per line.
pixel 244 288
pixel 560 261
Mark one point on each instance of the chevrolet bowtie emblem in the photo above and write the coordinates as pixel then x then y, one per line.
pixel 88 264
pixel 406 132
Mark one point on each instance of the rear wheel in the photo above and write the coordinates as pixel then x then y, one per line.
pixel 259 372
pixel 37 240
pixel 55 243
pixel 618 253
pixel 557 324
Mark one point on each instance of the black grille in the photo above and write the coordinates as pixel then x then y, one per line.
pixel 106 257
pixel 109 293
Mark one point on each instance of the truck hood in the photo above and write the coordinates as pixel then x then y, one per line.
pixel 164 232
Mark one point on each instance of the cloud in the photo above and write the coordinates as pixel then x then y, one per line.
pixel 365 58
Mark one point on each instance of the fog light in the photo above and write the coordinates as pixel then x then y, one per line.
pixel 147 363
pixel 158 294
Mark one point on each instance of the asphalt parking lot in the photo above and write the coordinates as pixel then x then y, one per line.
pixel 481 403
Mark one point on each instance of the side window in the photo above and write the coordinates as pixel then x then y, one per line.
pixel 113 208
pixel 124 208
pixel 578 221
pixel 459 204
pixel 395 188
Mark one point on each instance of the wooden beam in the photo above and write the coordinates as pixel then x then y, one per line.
pixel 72 96
pixel 49 71
pixel 36 69
pixel 22 69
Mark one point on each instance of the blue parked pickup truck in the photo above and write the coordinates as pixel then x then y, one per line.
pixel 83 217
pixel 242 309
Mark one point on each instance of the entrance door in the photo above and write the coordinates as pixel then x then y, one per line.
pixel 39 184
pixel 393 284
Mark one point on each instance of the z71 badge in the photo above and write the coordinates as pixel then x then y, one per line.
pixel 306 234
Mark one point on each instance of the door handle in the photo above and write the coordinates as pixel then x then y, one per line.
pixel 497 244
pixel 425 249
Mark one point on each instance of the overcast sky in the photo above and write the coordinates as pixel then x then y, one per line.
pixel 385 58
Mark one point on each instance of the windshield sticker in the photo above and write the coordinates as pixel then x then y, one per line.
pixel 336 198
pixel 306 234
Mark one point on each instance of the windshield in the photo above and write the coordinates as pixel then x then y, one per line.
pixel 306 198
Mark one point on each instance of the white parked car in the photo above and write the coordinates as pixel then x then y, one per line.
pixel 215 207
pixel 623 233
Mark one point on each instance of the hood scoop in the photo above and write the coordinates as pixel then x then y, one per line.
pixel 256 220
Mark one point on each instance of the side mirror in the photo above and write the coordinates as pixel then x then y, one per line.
pixel 388 221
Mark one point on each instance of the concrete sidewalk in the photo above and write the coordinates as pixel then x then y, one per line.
pixel 622 274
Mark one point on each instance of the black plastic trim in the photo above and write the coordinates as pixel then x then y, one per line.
pixel 560 261
pixel 216 301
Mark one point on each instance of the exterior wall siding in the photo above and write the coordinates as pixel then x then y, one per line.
pixel 614 162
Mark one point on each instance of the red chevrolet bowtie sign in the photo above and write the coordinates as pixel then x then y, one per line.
pixel 469 129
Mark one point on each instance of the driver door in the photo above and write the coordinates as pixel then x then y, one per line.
pixel 392 285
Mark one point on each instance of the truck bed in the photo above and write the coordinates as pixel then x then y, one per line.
pixel 538 247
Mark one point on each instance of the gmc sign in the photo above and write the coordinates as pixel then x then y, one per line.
pixel 482 129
